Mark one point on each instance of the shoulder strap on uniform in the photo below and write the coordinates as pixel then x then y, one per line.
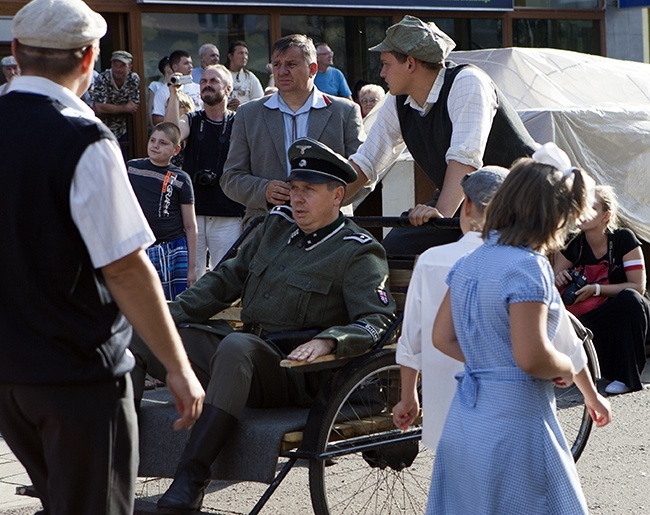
pixel 359 237
pixel 284 211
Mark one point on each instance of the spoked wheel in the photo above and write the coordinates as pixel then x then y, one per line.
pixel 571 410
pixel 367 465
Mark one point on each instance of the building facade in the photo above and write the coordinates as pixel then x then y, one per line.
pixel 151 29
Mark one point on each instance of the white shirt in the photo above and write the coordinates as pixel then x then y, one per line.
pixel 245 86
pixel 296 124
pixel 415 349
pixel 192 90
pixel 472 104
pixel 103 205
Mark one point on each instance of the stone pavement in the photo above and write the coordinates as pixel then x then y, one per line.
pixel 293 495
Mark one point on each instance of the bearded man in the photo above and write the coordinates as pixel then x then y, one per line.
pixel 206 134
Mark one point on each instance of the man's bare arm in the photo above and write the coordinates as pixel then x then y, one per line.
pixel 355 186
pixel 172 114
pixel 128 108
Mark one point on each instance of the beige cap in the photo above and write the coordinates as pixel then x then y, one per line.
pixel 58 24
pixel 123 56
pixel 411 36
pixel 8 61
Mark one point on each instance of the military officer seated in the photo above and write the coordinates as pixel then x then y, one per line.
pixel 305 267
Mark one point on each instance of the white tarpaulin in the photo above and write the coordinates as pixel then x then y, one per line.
pixel 595 108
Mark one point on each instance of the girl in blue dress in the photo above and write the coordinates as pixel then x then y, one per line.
pixel 502 450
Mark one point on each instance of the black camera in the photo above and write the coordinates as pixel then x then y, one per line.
pixel 206 178
pixel 577 281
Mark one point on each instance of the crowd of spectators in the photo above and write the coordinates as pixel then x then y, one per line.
pixel 223 150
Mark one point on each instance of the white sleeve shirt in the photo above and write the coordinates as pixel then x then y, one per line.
pixel 415 347
pixel 472 104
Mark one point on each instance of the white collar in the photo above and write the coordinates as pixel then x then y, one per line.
pixel 434 93
pixel 315 101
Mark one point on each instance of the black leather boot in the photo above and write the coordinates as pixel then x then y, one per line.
pixel 209 434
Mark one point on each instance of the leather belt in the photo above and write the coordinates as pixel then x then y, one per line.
pixel 256 330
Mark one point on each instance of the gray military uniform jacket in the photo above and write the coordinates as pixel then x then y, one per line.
pixel 334 280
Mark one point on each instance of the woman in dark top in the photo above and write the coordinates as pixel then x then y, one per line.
pixel 611 303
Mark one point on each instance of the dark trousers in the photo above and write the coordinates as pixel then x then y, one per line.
pixel 79 444
pixel 620 327
pixel 413 241
pixel 235 371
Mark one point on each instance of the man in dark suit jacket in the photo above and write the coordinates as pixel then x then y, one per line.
pixel 257 167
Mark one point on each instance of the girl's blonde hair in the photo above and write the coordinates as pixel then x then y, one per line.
pixel 609 201
pixel 536 206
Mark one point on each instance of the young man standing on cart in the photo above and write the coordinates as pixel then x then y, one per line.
pixel 305 267
pixel 452 119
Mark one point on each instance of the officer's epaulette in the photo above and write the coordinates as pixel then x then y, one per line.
pixel 284 211
pixel 360 237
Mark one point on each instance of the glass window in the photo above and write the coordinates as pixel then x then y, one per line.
pixel 349 37
pixel 164 33
pixel 472 33
pixel 5 28
pixel 559 4
pixel 577 35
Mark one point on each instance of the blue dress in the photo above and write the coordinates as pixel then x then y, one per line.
pixel 502 450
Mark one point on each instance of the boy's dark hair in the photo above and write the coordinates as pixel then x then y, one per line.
pixel 162 64
pixel 170 130
pixel 176 56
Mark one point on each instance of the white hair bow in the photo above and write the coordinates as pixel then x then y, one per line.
pixel 552 155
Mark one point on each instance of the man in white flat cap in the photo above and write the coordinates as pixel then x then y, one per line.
pixel 451 118
pixel 10 69
pixel 74 273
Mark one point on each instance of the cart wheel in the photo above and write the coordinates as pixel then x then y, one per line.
pixel 571 410
pixel 359 474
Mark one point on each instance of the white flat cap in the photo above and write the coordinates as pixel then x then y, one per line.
pixel 58 24
pixel 8 61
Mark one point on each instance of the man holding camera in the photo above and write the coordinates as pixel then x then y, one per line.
pixel 207 139
pixel 180 62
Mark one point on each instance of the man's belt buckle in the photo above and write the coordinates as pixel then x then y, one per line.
pixel 256 330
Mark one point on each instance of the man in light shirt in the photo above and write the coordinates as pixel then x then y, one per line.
pixel 10 70
pixel 451 118
pixel 330 80
pixel 181 64
pixel 66 401
pixel 245 85
pixel 208 54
